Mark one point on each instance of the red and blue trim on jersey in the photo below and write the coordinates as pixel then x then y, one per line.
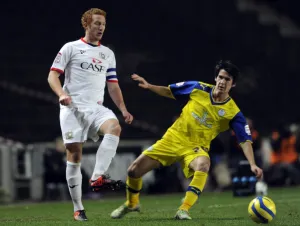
pixel 111 75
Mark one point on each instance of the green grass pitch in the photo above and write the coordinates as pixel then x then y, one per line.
pixel 212 209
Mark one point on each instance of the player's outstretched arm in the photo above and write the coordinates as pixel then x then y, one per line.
pixel 55 85
pixel 248 152
pixel 160 90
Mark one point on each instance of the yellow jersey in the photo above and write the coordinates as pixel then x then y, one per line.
pixel 202 119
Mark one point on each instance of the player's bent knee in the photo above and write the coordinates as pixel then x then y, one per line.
pixel 111 127
pixel 133 171
pixel 116 130
pixel 203 167
pixel 200 164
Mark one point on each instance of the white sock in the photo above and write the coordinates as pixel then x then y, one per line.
pixel 106 152
pixel 74 180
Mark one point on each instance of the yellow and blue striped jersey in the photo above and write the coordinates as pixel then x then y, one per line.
pixel 202 119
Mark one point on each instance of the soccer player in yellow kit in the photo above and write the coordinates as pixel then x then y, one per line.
pixel 209 111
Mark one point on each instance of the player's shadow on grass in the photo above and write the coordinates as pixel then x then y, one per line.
pixel 194 218
pixel 158 219
pixel 220 218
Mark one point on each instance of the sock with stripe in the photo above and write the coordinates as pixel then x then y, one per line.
pixel 194 190
pixel 133 188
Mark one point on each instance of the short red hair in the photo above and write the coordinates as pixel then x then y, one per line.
pixel 86 18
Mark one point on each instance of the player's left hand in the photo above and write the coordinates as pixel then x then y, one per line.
pixel 257 171
pixel 128 117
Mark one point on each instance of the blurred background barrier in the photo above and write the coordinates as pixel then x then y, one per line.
pixel 36 172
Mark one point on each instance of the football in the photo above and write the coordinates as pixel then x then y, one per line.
pixel 262 209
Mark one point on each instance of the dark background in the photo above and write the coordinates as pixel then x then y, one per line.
pixel 164 41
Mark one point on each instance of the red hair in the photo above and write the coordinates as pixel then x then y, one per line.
pixel 86 18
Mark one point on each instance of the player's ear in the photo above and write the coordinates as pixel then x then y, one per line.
pixel 216 79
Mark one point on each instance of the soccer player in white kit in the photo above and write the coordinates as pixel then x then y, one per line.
pixel 88 66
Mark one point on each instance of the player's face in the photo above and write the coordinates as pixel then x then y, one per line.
pixel 97 27
pixel 224 82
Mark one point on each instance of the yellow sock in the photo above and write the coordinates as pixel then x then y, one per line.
pixel 194 190
pixel 133 188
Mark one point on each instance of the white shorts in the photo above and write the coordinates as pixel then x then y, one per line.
pixel 79 124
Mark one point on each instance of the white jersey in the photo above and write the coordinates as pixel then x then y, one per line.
pixel 87 68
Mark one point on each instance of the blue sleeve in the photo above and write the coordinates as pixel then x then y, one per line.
pixel 183 89
pixel 240 128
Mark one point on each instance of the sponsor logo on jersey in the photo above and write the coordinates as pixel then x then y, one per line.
pixel 82 51
pixel 95 65
pixel 96 61
pixel 204 119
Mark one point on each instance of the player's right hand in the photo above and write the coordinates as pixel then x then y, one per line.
pixel 257 171
pixel 142 82
pixel 64 99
